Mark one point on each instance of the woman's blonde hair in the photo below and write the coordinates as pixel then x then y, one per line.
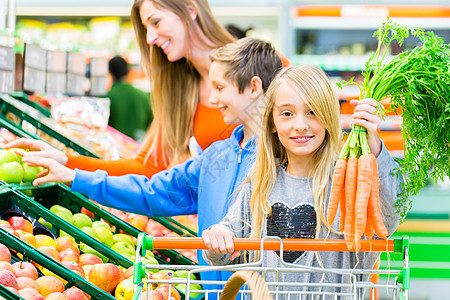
pixel 175 85
pixel 311 84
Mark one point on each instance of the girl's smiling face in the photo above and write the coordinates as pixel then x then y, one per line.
pixel 298 129
pixel 165 30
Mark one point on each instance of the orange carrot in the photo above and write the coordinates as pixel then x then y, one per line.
pixel 342 207
pixel 369 227
pixel 374 204
pixel 363 189
pixel 350 196
pixel 336 188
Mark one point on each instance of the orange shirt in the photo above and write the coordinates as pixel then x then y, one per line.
pixel 208 128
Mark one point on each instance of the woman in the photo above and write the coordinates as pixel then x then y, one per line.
pixel 175 38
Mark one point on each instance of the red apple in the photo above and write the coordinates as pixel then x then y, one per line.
pixel 160 275
pixel 105 276
pixel 25 269
pixel 87 213
pixel 27 237
pixel 8 267
pixel 15 291
pixel 169 294
pixel 49 284
pixel 89 259
pixel 129 272
pixel 30 294
pixel 27 282
pixel 153 295
pixel 57 296
pixel 50 251
pixel 5 255
pixel 75 293
pixel 138 221
pixel 7 227
pixel 7 278
pixel 69 255
pixel 64 242
pixel 74 266
pixel 120 214
pixel 21 223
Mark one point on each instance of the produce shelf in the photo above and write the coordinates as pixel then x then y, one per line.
pixel 21 96
pixel 6 107
pixel 35 255
pixel 53 193
pixel 13 199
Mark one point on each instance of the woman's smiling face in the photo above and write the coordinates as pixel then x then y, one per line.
pixel 165 30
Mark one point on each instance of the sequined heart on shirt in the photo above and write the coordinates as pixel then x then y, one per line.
pixel 292 223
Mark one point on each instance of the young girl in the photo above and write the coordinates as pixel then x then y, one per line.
pixel 287 191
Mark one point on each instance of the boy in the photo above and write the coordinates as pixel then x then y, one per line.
pixel 240 74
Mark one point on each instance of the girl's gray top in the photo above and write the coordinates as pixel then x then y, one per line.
pixel 293 216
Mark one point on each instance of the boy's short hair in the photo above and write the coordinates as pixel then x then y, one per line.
pixel 118 67
pixel 246 58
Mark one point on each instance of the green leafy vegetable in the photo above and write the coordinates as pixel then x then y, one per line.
pixel 418 81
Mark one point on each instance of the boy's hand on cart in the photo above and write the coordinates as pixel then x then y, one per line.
pixel 369 113
pixel 220 240
pixel 38 148
pixel 53 170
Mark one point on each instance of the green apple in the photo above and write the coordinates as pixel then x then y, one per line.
pixel 44 222
pixel 149 260
pixel 124 238
pixel 81 220
pixel 87 249
pixel 184 274
pixel 194 287
pixel 123 248
pixel 55 208
pixel 65 215
pixel 30 173
pixel 98 224
pixel 90 231
pixel 105 235
pixel 7 156
pixel 11 172
pixel 130 257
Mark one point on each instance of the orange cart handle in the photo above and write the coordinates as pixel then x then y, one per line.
pixel 269 244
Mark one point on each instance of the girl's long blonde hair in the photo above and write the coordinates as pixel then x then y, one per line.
pixel 312 85
pixel 175 85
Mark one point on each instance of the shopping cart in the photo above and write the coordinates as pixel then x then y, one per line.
pixel 247 279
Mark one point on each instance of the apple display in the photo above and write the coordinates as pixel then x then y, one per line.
pixel 49 284
pixel 27 237
pixel 75 293
pixel 67 242
pixel 69 254
pixel 123 248
pixel 7 278
pixel 89 259
pixel 81 220
pixel 21 223
pixel 50 251
pixel 45 240
pixel 25 269
pixel 11 172
pixel 125 289
pixel 121 237
pixel 77 268
pixel 88 249
pixel 57 296
pixel 169 293
pixel 4 265
pixel 27 282
pixel 7 156
pixel 105 235
pixel 5 255
pixel 30 294
pixel 105 276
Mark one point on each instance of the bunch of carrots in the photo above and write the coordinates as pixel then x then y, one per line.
pixel 355 189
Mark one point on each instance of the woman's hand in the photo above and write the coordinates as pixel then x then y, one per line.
pixel 219 240
pixel 38 148
pixel 54 171
pixel 368 116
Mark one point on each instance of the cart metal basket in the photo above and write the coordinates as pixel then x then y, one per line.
pixel 396 286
